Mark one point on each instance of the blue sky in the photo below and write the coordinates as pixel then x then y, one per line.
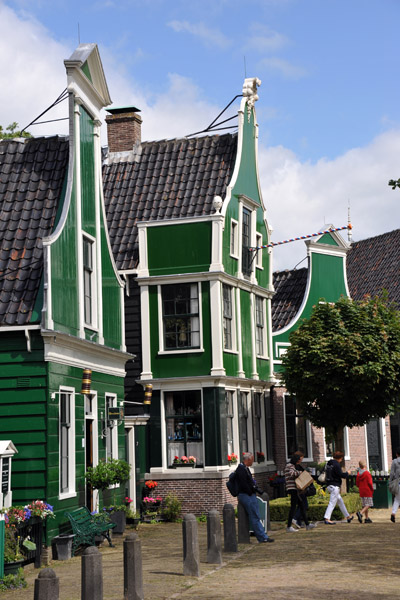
pixel 329 100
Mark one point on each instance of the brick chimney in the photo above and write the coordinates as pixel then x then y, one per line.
pixel 123 128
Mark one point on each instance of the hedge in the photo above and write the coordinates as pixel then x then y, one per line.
pixel 279 508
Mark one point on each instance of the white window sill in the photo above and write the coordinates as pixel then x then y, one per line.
pixel 188 351
pixel 67 495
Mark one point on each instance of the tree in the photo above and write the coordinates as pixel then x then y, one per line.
pixel 343 364
pixel 13 132
pixel 394 183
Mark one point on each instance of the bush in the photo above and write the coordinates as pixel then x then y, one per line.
pixel 279 508
pixel 172 507
pixel 13 582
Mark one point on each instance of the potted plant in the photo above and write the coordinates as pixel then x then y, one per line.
pixel 111 474
pixel 151 508
pixel 232 458
pixel 260 457
pixel 13 557
pixel 184 461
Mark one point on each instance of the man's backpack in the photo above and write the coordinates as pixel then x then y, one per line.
pixel 232 484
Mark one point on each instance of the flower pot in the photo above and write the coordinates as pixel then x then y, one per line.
pixel 62 546
pixel 186 465
pixel 11 568
pixel 119 518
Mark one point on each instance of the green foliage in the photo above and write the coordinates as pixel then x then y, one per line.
pixel 343 363
pixel 13 582
pixel 12 551
pixel 172 507
pixel 13 132
pixel 202 518
pixel 394 183
pixel 105 474
pixel 279 508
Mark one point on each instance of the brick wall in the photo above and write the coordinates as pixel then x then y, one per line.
pixel 123 130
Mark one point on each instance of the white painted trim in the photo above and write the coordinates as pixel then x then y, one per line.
pixel 145 325
pixel 96 283
pixel 238 162
pixel 130 439
pixel 258 259
pixel 383 436
pixel 94 417
pixel 69 350
pixel 19 328
pixel 235 255
pixel 217 366
pixel 78 196
pixel 161 348
pixel 99 269
pixel 265 355
pixel 113 431
pixel 71 444
pixel 347 453
pixel 180 221
pixel 217 234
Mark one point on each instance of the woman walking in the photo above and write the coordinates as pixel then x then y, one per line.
pixel 291 473
pixel 395 474
pixel 334 476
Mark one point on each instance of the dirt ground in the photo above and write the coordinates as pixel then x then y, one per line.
pixel 341 562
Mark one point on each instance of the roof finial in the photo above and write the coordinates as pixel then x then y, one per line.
pixel 349 227
pixel 250 92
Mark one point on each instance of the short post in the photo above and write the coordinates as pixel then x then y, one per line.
pixel 47 586
pixel 265 497
pixel 133 578
pixel 92 575
pixel 243 525
pixel 230 541
pixel 214 555
pixel 191 560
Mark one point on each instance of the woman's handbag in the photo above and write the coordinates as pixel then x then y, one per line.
pixel 303 480
pixel 394 486
pixel 311 490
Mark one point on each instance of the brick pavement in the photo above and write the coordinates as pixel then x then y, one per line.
pixel 342 562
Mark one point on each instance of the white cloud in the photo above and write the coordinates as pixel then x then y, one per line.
pixel 302 197
pixel 263 39
pixel 211 37
pixel 32 74
pixel 284 67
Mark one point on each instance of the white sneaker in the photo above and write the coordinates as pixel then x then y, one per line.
pixel 291 530
pixel 311 526
pixel 295 524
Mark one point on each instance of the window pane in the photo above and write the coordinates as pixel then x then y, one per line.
pixel 184 429
pixel 246 237
pixel 229 420
pixel 257 423
pixel 181 316
pixel 296 428
pixel 243 413
pixel 269 426
pixel 227 316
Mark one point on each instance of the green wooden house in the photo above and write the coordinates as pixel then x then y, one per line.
pixel 323 280
pixel 183 215
pixel 61 304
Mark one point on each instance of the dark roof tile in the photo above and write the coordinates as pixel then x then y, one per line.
pixel 290 287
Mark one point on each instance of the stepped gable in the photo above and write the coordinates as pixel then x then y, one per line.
pixel 167 179
pixel 32 173
pixel 373 265
pixel 290 287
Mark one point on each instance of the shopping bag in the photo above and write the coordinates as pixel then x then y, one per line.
pixel 303 480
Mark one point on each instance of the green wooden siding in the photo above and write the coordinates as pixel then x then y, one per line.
pixel 328 283
pixel 87 171
pixel 231 363
pixel 183 248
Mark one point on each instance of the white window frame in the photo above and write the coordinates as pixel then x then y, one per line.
pixel 111 430
pixel 234 240
pixel 162 349
pixel 346 444
pixel 264 326
pixel 93 324
pixel 71 491
pixel 233 349
pixel 259 256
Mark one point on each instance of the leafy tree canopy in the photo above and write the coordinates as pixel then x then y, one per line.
pixel 12 131
pixel 394 183
pixel 343 363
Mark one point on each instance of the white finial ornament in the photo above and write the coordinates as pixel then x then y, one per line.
pixel 217 203
pixel 249 91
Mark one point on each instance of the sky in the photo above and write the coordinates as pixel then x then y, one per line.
pixel 328 108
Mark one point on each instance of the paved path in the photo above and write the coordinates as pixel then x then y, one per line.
pixel 341 562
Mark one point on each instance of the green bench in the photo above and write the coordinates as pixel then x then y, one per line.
pixel 85 527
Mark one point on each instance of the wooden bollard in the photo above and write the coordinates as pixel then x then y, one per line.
pixel 230 539
pixel 92 575
pixel 47 586
pixel 214 555
pixel 191 560
pixel 133 574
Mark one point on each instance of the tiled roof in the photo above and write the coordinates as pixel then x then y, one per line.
pixel 32 173
pixel 162 180
pixel 290 287
pixel 373 265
